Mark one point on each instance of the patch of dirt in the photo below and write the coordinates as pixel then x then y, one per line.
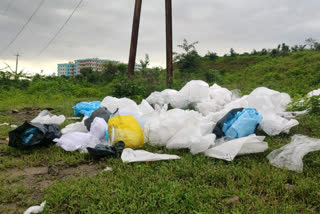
pixel 27 113
pixel 40 178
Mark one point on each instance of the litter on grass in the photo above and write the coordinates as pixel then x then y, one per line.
pixel 86 108
pixel 130 155
pixel 35 209
pixel 31 134
pixel 228 150
pixel 45 117
pixel 221 125
pixel 291 155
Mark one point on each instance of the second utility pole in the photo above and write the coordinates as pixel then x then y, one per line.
pixel 17 59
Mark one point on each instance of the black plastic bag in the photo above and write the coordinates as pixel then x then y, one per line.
pixel 218 128
pixel 31 134
pixel 101 150
pixel 101 112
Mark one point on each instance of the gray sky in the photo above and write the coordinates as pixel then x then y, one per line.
pixel 102 28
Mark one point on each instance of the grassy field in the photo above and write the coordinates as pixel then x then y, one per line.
pixel 71 182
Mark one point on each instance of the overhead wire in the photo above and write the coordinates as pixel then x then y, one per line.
pixel 23 27
pixel 61 28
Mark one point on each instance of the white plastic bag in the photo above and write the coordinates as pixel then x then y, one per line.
pixel 314 93
pixel 45 117
pixel 240 146
pixel 291 155
pixel 161 98
pixel 129 155
pixel 273 124
pixel 75 127
pixel 160 129
pixel 74 141
pixel 197 137
pixel 193 92
pixel 98 128
pixel 145 107
pixel 35 209
pixel 125 104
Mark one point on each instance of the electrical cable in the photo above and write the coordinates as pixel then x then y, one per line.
pixel 23 27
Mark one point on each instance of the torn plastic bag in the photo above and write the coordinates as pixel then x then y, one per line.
pixel 98 128
pixel 195 91
pixel 243 124
pixel 101 112
pixel 126 129
pixel 35 209
pixel 31 134
pixel 45 117
pixel 218 129
pixel 74 141
pixel 130 155
pixel 86 108
pixel 102 150
pixel 291 155
pixel 240 146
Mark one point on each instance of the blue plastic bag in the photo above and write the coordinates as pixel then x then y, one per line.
pixel 86 108
pixel 243 124
pixel 28 134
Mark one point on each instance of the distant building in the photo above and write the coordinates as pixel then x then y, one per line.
pixel 72 69
pixel 66 69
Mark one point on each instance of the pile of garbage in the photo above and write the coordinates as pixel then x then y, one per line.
pixel 210 120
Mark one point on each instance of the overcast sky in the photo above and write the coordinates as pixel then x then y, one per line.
pixel 102 28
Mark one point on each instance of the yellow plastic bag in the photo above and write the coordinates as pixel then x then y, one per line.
pixel 126 129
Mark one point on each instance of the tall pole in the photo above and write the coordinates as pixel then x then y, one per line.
pixel 17 59
pixel 169 42
pixel 134 37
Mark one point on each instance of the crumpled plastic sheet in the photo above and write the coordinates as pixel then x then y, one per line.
pixel 74 141
pixel 75 127
pixel 230 149
pixel 45 117
pixel 35 209
pixel 177 129
pixel 130 155
pixel 291 155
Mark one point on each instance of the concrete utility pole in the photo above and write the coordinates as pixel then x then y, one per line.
pixel 134 37
pixel 169 42
pixel 17 60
